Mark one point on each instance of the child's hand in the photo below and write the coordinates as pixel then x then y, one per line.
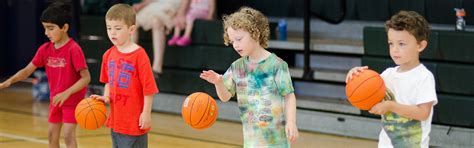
pixel 101 98
pixel 5 84
pixel 291 131
pixel 211 76
pixel 60 98
pixel 180 20
pixel 355 71
pixel 381 108
pixel 138 7
pixel 209 17
pixel 145 120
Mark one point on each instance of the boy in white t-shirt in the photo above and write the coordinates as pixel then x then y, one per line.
pixel 408 107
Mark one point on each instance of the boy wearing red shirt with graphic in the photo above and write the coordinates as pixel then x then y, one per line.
pixel 129 82
pixel 67 73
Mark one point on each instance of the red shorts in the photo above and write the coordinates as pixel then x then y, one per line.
pixel 63 114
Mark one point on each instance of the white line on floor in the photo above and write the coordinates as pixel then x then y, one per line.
pixel 26 138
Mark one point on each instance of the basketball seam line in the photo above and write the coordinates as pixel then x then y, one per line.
pixel 88 106
pixel 355 89
pixel 191 110
pixel 205 111
pixel 210 123
pixel 93 113
pixel 87 114
pixel 370 94
pixel 105 114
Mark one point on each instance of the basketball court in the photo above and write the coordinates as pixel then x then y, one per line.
pixel 320 41
pixel 24 123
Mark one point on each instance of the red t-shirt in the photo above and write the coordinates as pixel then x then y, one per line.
pixel 62 68
pixel 130 78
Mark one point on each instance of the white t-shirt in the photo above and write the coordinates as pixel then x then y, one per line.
pixel 413 87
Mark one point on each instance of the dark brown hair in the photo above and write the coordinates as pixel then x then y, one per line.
pixel 410 21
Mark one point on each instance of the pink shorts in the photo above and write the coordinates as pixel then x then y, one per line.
pixel 194 13
pixel 63 114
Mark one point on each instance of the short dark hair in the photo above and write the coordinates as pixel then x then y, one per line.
pixel 58 13
pixel 410 21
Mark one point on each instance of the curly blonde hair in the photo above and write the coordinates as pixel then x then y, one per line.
pixel 410 21
pixel 250 20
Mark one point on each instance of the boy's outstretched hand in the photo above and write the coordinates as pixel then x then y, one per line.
pixel 211 76
pixel 5 85
pixel 291 132
pixel 355 71
pixel 101 98
pixel 60 98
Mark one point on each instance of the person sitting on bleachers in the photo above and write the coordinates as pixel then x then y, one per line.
pixel 159 16
pixel 199 9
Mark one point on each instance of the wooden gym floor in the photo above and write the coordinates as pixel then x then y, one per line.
pixel 24 123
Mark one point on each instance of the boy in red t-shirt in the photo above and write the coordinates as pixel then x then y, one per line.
pixel 129 81
pixel 67 73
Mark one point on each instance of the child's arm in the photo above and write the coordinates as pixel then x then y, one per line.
pixel 60 98
pixel 212 7
pixel 290 108
pixel 355 71
pixel 180 18
pixel 145 116
pixel 20 75
pixel 216 79
pixel 419 112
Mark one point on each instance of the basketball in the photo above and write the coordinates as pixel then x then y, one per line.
pixel 199 110
pixel 90 113
pixel 365 90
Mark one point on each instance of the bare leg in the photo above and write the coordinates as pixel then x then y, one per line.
pixel 177 30
pixel 54 132
pixel 158 35
pixel 189 29
pixel 69 133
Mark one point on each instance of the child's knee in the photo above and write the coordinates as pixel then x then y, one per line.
pixel 157 22
pixel 69 138
pixel 53 136
pixel 54 130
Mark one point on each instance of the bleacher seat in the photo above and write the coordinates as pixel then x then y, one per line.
pixel 454 110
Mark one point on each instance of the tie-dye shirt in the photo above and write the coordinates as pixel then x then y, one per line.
pixel 260 89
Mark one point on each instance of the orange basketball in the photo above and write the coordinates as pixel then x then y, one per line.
pixel 91 113
pixel 199 110
pixel 365 90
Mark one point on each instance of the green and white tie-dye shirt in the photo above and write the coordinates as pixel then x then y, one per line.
pixel 260 89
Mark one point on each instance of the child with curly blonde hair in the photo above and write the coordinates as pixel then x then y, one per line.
pixel 260 79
